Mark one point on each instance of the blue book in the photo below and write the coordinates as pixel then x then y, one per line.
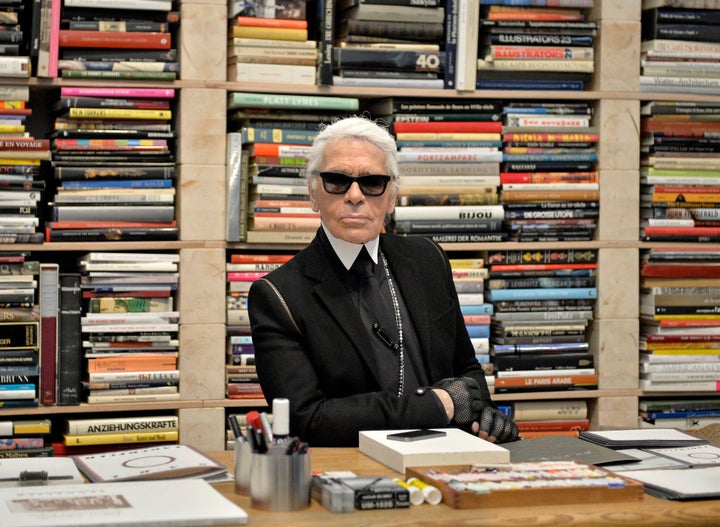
pixel 115 183
pixel 478 330
pixel 483 358
pixel 545 293
pixel 688 414
pixel 16 387
pixel 488 84
pixel 477 309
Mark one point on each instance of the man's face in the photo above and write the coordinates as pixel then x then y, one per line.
pixel 352 216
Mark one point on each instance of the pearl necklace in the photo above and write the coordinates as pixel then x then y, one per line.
pixel 400 346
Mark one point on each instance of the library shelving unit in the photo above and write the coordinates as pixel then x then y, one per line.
pixel 201 126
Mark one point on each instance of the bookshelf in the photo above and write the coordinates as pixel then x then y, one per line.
pixel 201 125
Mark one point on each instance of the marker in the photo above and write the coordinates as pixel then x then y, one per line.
pixel 281 420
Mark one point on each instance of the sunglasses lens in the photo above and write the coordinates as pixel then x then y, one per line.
pixel 373 185
pixel 337 183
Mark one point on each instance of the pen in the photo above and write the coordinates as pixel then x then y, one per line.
pixel 267 430
pixel 234 426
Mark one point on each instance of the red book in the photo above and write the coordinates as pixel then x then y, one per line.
pixel 545 383
pixel 684 270
pixel 549 177
pixel 253 21
pixel 280 149
pixel 547 426
pixel 448 126
pixel 24 143
pixel 242 276
pixel 260 258
pixel 75 38
pixel 48 291
pixel 550 138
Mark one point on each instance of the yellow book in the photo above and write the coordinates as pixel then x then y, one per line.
pixel 114 439
pixel 118 113
pixel 276 33
pixel 467 263
pixel 39 426
pixel 14 161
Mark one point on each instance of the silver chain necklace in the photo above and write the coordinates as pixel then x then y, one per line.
pixel 400 346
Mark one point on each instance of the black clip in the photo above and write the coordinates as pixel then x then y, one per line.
pixel 33 478
pixel 384 336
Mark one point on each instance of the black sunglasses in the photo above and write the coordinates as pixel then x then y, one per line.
pixel 339 183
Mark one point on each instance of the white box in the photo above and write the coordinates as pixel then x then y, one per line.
pixel 455 448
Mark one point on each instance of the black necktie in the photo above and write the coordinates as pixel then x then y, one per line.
pixel 373 301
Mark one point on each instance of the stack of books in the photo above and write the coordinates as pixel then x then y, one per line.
pixel 20 328
pixel 83 436
pixel 117 40
pixel 449 163
pixel 469 276
pixel 558 417
pixel 680 47
pixel 680 319
pixel 389 44
pixel 15 39
pixel 242 270
pixel 679 191
pixel 22 162
pixel 274 133
pixel 113 153
pixel 25 438
pixel 686 413
pixel 130 327
pixel 536 48
pixel 543 303
pixel 269 43
pixel 550 186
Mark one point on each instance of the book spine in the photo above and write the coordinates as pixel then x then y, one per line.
pixel 48 293
pixel 291 101
pixel 121 425
pixel 450 43
pixel 86 91
pixel 70 347
pixel 543 362
pixel 112 39
pixel 386 59
pixel 105 439
pixel 536 410
pixel 542 294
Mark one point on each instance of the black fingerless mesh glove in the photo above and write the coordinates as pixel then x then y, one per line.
pixel 466 397
pixel 497 425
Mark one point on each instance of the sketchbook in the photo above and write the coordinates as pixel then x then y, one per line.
pixel 176 503
pixel 678 483
pixel 158 462
pixel 642 438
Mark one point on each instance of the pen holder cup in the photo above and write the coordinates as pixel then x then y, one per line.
pixel 243 465
pixel 280 482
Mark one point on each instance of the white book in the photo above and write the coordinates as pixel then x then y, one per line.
pixel 436 84
pixel 167 503
pixel 544 373
pixel 454 448
pixel 129 266
pixel 449 212
pixel 130 257
pixel 275 73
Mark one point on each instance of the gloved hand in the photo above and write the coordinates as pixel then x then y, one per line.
pixel 466 396
pixel 496 424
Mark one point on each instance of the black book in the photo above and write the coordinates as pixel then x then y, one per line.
pixel 119 55
pixel 536 39
pixel 653 30
pixel 112 234
pixel 120 171
pixel 94 14
pixel 69 365
pixel 664 15
pixel 384 59
pixel 552 361
pixel 109 102
pixel 412 31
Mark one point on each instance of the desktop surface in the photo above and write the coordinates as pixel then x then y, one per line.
pixel 649 511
